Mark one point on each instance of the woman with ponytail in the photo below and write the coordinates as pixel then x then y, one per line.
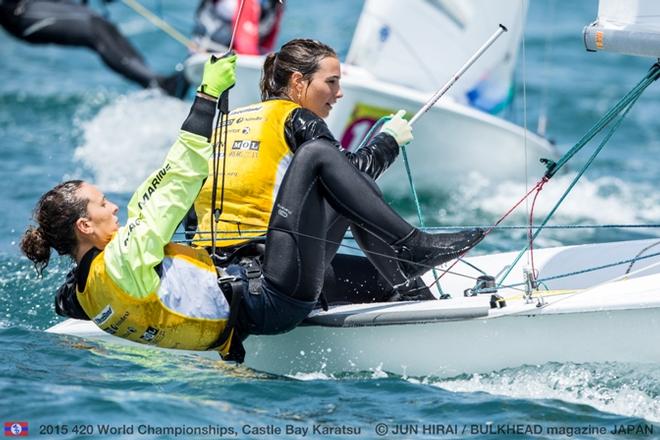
pixel 277 152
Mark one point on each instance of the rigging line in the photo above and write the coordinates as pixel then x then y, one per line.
pixel 542 123
pixel 489 230
pixel 592 269
pixel 575 180
pixel 610 115
pixel 380 254
pixel 214 191
pixel 160 23
pixel 524 87
pixel 613 280
pixel 347 246
pixel 238 20
pixel 495 228
pixel 639 254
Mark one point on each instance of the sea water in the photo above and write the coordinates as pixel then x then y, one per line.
pixel 64 115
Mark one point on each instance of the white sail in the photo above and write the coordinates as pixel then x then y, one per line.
pixel 421 43
pixel 630 27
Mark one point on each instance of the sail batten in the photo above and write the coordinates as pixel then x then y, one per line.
pixel 629 27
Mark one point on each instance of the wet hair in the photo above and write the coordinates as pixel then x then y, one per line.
pixel 56 214
pixel 299 55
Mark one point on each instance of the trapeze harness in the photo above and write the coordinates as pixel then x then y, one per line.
pixel 163 317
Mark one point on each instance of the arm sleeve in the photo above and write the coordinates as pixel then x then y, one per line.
pixel 302 126
pixel 159 204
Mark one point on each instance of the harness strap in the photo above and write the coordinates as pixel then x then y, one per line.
pixel 233 292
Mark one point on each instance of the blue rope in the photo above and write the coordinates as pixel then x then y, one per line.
pixel 579 272
pixel 568 190
pixel 619 110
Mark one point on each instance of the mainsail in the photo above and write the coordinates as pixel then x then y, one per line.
pixel 421 43
pixel 630 27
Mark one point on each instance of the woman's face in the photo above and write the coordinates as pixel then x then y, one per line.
pixel 101 222
pixel 322 91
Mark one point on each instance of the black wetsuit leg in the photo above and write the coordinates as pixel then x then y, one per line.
pixel 357 279
pixel 71 24
pixel 320 178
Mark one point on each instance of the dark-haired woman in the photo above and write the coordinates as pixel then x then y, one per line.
pixel 131 281
pixel 286 173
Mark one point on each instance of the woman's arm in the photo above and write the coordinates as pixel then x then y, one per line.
pixel 160 203
pixel 373 159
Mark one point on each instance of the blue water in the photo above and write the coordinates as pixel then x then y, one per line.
pixel 63 115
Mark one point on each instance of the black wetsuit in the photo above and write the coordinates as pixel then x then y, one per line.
pixel 325 191
pixel 72 24
pixel 349 278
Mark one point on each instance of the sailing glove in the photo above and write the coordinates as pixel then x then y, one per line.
pixel 399 129
pixel 219 75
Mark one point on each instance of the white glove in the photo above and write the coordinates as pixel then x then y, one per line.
pixel 398 128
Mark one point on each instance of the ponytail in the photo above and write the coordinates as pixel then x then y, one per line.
pixel 56 215
pixel 299 55
pixel 35 246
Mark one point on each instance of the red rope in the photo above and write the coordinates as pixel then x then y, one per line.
pixel 538 187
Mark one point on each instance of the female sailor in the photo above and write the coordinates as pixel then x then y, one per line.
pixel 285 135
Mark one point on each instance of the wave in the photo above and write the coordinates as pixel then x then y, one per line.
pixel 129 138
pixel 624 389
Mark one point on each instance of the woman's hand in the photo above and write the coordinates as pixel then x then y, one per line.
pixel 399 129
pixel 219 75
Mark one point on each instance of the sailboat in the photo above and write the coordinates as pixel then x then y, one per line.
pixel 586 303
pixel 400 53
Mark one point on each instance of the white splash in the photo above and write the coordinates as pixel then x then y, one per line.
pixel 607 387
pixel 129 138
pixel 311 376
pixel 596 200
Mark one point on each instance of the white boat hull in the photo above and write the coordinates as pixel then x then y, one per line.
pixel 616 320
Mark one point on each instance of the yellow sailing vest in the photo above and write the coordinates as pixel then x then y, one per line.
pixel 187 311
pixel 257 158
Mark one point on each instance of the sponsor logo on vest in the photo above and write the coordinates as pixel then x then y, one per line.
pixel 246 110
pixel 246 145
pixel 114 327
pixel 149 334
pixel 245 130
pixel 154 185
pixel 129 331
pixel 105 314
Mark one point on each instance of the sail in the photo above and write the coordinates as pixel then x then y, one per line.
pixel 630 27
pixel 422 43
